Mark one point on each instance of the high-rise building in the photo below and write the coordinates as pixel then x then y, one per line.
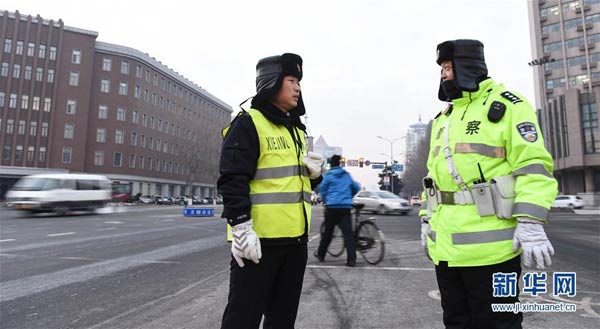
pixel 71 103
pixel 414 135
pixel 566 49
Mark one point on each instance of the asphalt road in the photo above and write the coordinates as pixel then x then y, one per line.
pixel 150 267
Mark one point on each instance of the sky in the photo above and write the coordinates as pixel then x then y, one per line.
pixel 369 66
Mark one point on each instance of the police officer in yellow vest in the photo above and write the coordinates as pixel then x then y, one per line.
pixel 489 189
pixel 266 182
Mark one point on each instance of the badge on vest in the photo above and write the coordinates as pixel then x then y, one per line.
pixel 527 131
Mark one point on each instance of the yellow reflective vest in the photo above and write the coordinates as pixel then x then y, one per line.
pixel 512 146
pixel 280 189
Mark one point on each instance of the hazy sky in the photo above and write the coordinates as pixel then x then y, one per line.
pixel 369 66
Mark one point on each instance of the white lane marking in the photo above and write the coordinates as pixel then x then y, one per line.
pixel 106 229
pixel 375 268
pixel 7 240
pixel 77 258
pixel 113 222
pixel 59 234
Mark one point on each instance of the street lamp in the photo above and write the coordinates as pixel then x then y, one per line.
pixel 540 63
pixel 391 141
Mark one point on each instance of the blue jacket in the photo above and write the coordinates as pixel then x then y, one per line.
pixel 338 188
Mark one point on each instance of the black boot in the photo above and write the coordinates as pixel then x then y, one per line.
pixel 320 258
pixel 351 262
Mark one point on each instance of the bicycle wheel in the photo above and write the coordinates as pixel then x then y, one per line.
pixel 370 242
pixel 336 247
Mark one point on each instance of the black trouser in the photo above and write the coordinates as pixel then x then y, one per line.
pixel 467 295
pixel 272 287
pixel 343 218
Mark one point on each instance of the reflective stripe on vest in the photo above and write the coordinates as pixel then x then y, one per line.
pixel 533 210
pixel 487 150
pixel 279 198
pixel 483 237
pixel 535 168
pixel 279 172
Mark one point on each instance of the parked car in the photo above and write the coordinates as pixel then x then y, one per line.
pixel 570 201
pixel 415 200
pixel 382 202
pixel 146 199
pixel 159 199
pixel 182 200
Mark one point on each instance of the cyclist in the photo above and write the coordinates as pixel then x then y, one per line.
pixel 337 190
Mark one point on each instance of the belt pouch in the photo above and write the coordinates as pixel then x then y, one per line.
pixel 503 189
pixel 482 197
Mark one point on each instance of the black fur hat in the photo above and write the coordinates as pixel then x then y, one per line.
pixel 270 72
pixel 468 64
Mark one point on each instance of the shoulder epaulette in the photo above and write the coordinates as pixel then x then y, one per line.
pixel 511 97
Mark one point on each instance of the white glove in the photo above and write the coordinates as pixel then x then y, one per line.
pixel 531 237
pixel 425 229
pixel 315 163
pixel 245 243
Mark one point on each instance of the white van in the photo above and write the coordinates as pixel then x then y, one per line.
pixel 59 192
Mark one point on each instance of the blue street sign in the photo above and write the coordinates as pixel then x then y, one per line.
pixel 398 167
pixel 198 212
pixel 376 166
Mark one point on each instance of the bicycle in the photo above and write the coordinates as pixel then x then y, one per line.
pixel 368 238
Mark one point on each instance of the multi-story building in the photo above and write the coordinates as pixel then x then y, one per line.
pixel 414 135
pixel 566 49
pixel 71 103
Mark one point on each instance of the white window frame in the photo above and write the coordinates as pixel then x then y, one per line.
pixel 105 86
pixel 102 112
pixel 67 155
pixel 76 56
pixel 69 131
pixel 71 106
pixel 106 64
pixel 74 79
pixel 100 135
pixel 99 158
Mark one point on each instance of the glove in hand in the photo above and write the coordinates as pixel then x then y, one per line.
pixel 245 243
pixel 315 163
pixel 530 236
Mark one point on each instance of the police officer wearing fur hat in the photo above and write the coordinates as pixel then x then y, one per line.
pixel 489 190
pixel 266 180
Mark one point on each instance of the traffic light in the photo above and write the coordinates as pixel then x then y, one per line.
pixel 361 161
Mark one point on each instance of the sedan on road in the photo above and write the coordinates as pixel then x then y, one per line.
pixel 382 202
pixel 568 201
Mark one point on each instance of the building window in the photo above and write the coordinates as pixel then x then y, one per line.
pixel 76 56
pixel 30 49
pixel 67 152
pixel 149 163
pixel 142 164
pixel 16 71
pixel 132 161
pixel 50 77
pixel 143 141
pixel 28 70
pixel 106 64
pixel 160 128
pixel 10 126
pixel 119 136
pixel 138 71
pixel 157 165
pixel 7 45
pixel 105 86
pixel 24 102
pixel 42 154
pixel 147 75
pixel 12 101
pixel 52 53
pixel 47 104
pixel 21 129
pixel 99 158
pixel 134 116
pixel 30 153
pixel 118 159
pixel 19 48
pixel 44 129
pixel 71 106
pixel 150 142
pixel 2 97
pixel 164 166
pixel 100 135
pixel 4 71
pixel 69 130
pixel 120 114
pixel 152 122
pixel 19 153
pixel 136 92
pixel 102 112
pixel 144 120
pixel 74 79
pixel 123 88
pixel 133 140
pixel 42 51
pixel 39 74
pixel 6 151
pixel 589 125
pixel 32 128
pixel 36 103
pixel 124 67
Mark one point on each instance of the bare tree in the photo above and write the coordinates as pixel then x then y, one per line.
pixel 416 166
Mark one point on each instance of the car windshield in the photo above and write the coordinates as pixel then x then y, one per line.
pixel 386 195
pixel 36 184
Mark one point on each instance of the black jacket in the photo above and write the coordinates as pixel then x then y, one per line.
pixel 239 158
